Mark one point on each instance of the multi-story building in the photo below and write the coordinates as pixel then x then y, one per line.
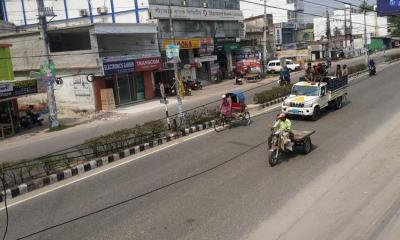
pixel 254 27
pixel 207 32
pixel 376 26
pixel 104 37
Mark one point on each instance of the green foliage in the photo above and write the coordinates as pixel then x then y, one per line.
pixel 392 57
pixel 200 116
pixel 395 25
pixel 357 68
pixel 272 94
pixel 121 139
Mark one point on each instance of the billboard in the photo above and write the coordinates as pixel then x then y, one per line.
pixel 388 7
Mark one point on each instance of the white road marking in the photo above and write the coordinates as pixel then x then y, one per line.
pixel 109 167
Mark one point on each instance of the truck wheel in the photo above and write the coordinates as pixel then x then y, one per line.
pixel 307 145
pixel 316 114
pixel 339 103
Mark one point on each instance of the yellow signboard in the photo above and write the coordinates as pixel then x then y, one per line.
pixel 190 43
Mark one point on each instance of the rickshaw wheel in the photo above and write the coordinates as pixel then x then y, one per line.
pixel 220 123
pixel 246 118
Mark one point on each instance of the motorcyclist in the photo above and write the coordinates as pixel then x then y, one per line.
pixel 284 76
pixel 284 127
pixel 371 63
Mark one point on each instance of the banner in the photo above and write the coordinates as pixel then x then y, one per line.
pixel 388 7
pixel 191 13
pixel 14 89
pixel 190 43
pixel 148 64
pixel 112 68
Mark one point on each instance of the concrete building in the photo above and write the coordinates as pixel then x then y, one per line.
pixel 105 50
pixel 376 26
pixel 253 43
pixel 288 18
pixel 207 32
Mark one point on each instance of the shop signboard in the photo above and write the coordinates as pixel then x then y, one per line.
pixel 230 47
pixel 125 66
pixel 191 13
pixel 206 59
pixel 12 89
pixel 388 7
pixel 191 43
pixel 148 64
pixel 223 43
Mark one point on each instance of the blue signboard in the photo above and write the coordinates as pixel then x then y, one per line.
pixel 388 7
pixel 125 66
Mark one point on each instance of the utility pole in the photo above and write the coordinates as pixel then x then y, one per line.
pixel 328 34
pixel 51 100
pixel 345 26
pixel 365 33
pixel 176 74
pixel 265 35
pixel 351 31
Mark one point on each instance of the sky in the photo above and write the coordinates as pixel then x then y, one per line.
pixel 308 7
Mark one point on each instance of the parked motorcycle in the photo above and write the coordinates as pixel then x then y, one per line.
pixel 194 84
pixel 31 119
pixel 239 81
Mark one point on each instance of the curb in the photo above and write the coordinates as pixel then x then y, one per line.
pixel 93 164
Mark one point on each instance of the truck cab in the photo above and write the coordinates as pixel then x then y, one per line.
pixel 308 99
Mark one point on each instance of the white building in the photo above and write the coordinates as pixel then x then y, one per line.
pixel 376 26
pixel 282 10
pixel 72 12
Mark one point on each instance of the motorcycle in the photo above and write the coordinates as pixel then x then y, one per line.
pixel 371 70
pixel 238 81
pixel 284 81
pixel 31 119
pixel 276 146
pixel 194 84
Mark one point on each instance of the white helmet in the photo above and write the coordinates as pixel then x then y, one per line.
pixel 223 96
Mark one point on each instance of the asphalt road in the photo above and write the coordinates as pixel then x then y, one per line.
pixel 36 146
pixel 216 186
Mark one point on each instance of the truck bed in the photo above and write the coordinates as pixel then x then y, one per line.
pixel 301 135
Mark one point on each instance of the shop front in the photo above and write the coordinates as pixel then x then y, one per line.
pixel 196 57
pixel 226 49
pixel 130 79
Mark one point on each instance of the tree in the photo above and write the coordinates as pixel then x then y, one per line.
pixel 367 7
pixel 395 25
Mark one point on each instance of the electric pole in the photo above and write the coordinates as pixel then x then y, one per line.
pixel 265 35
pixel 365 33
pixel 345 26
pixel 176 74
pixel 51 100
pixel 328 34
pixel 351 33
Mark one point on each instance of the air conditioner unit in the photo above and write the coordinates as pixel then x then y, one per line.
pixel 184 3
pixel 102 10
pixel 205 5
pixel 83 12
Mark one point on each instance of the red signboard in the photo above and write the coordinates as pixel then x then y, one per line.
pixel 147 64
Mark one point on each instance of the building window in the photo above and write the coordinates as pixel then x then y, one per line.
pixel 71 41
